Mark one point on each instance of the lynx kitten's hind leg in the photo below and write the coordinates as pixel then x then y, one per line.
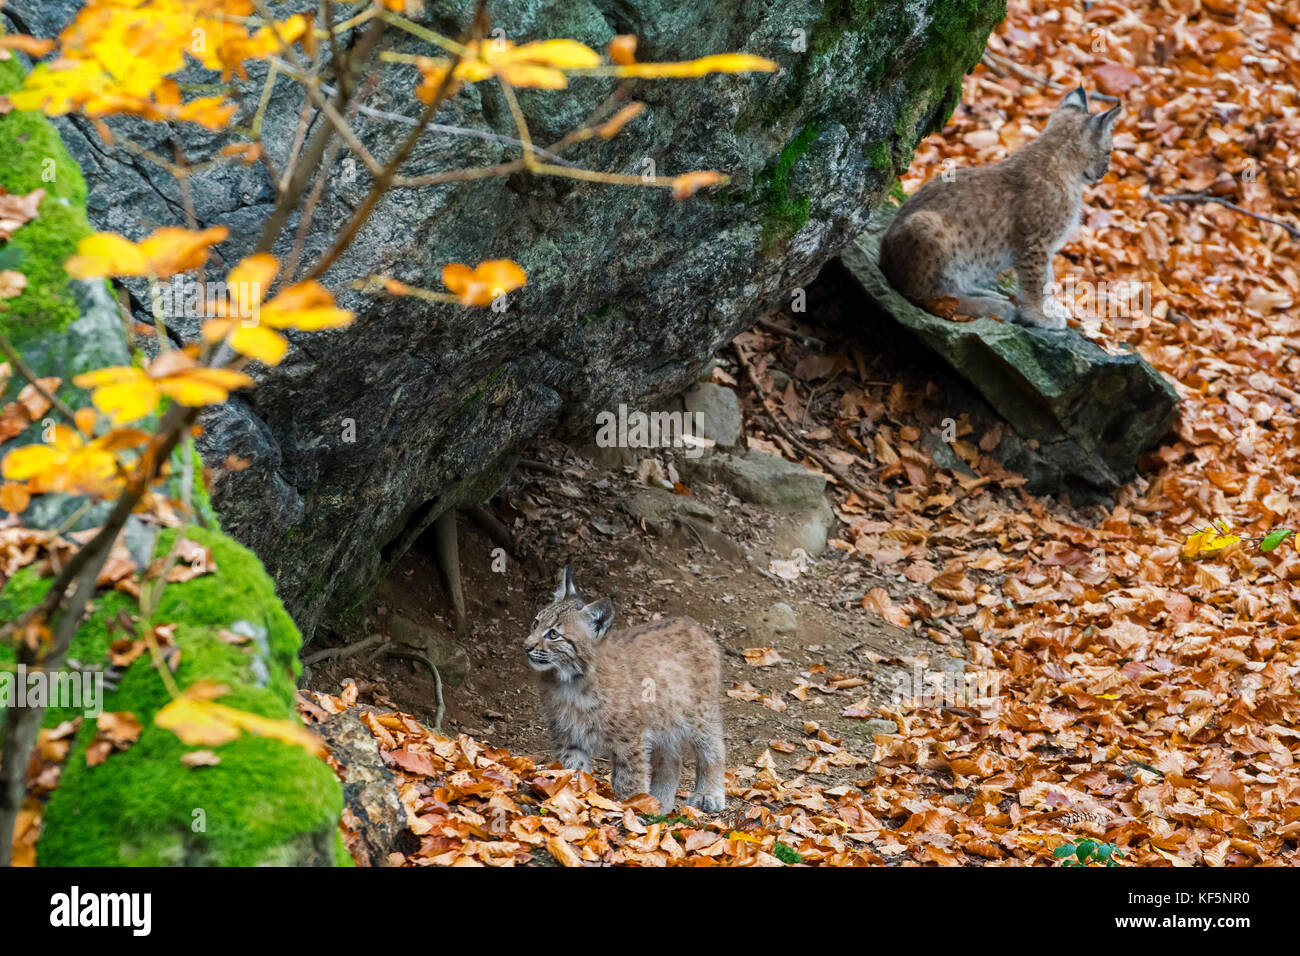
pixel 989 303
pixel 665 773
pixel 710 768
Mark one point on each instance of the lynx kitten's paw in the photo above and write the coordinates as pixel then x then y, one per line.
pixel 709 803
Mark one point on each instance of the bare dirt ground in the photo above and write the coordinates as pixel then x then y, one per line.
pixel 713 565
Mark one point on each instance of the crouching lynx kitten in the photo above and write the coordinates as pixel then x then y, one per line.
pixel 640 694
pixel 952 238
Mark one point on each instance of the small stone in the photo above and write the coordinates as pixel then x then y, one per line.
pixel 775 621
pixel 715 412
pixel 876 725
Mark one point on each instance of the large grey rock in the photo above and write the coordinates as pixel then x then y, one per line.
pixel 628 293
pixel 1078 412
pixel 770 481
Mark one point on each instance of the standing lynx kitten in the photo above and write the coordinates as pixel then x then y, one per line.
pixel 640 694
pixel 952 238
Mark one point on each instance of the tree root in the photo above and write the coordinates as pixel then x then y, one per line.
pixel 343 650
pixel 410 653
pixel 447 553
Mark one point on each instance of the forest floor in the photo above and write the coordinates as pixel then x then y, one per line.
pixel 1140 695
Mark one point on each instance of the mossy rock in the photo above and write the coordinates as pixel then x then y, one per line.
pixel 32 156
pixel 267 802
pixel 1080 417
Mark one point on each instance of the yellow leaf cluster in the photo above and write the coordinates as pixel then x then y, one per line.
pixel 249 324
pixel 70 463
pixel 125 393
pixel 483 283
pixel 1208 540
pixel 164 253
pixel 117 57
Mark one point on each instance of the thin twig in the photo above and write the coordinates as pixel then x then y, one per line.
pixel 997 63
pixel 384 180
pixel 415 654
pixel 343 650
pixel 809 340
pixel 302 171
pixel 821 459
pixel 23 369
pixel 1291 230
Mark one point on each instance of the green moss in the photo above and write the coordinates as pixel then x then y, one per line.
pixel 880 157
pixel 782 214
pixel 479 391
pixel 32 156
pixel 824 36
pixel 954 42
pixel 266 802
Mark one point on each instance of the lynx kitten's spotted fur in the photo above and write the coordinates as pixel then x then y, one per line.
pixel 952 238
pixel 641 695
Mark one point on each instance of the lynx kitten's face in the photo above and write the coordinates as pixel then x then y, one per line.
pixel 565 633
pixel 1097 144
pixel 553 643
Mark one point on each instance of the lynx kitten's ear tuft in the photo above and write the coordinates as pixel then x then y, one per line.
pixel 1106 121
pixel 1077 100
pixel 564 586
pixel 599 615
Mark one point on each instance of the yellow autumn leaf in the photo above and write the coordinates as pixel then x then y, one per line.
pixel 14 497
pixel 715 63
pixel 1214 538
pixel 483 283
pixel 200 722
pixel 688 184
pixel 306 306
pixel 28 461
pixel 622 49
pixel 256 341
pixel 164 253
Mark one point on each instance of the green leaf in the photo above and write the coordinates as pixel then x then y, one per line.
pixel 1275 537
pixel 1065 849
pixel 10 257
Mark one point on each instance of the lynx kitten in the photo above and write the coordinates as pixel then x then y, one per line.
pixel 952 238
pixel 640 694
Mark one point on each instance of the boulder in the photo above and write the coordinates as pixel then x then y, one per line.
pixel 417 408
pixel 375 816
pixel 265 803
pixel 1078 413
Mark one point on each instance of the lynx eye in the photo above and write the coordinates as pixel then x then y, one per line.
pixel 552 634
